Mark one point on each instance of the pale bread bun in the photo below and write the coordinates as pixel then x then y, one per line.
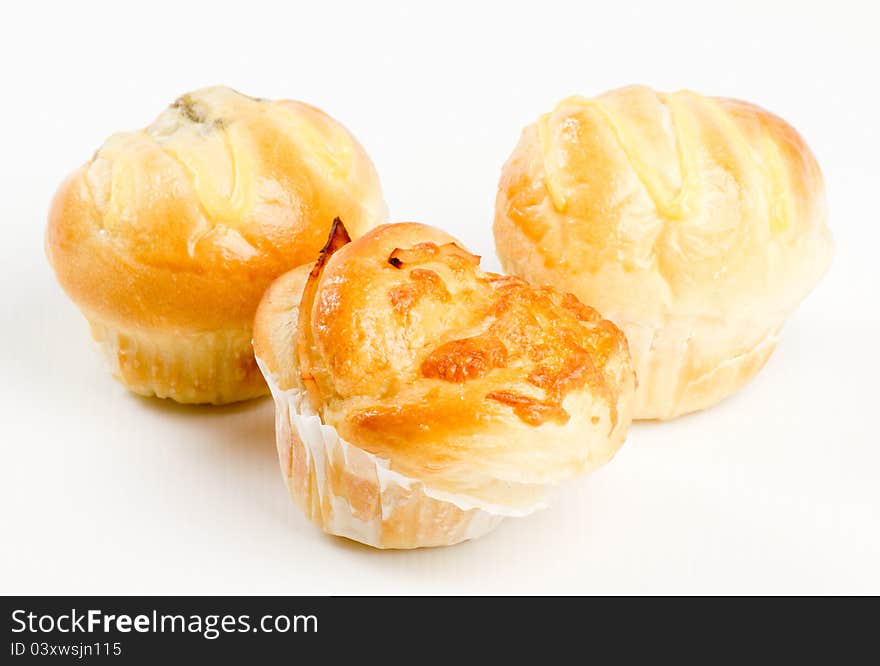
pixel 167 238
pixel 695 224
pixel 420 399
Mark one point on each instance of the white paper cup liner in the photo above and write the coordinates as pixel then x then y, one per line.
pixel 355 494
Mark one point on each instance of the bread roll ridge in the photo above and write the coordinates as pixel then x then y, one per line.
pixel 669 210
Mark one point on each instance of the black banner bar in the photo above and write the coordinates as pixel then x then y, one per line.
pixel 147 629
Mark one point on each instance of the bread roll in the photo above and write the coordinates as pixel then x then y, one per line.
pixel 695 224
pixel 167 238
pixel 420 399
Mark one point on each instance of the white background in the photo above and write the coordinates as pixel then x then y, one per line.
pixel 775 491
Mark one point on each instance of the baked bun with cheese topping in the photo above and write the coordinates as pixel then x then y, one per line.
pixel 167 238
pixel 696 224
pixel 420 399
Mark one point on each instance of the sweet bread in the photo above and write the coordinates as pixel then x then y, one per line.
pixel 167 238
pixel 696 224
pixel 419 400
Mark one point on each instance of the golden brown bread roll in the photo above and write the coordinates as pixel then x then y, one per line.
pixel 169 236
pixel 419 399
pixel 696 224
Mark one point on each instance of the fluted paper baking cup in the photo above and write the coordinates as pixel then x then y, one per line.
pixel 355 494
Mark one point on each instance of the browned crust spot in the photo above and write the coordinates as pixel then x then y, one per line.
pixel 187 107
pixel 531 410
pixel 424 283
pixel 583 312
pixel 568 343
pixel 468 358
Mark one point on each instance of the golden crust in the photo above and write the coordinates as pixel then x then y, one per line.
pixel 180 227
pixel 471 383
pixel 669 212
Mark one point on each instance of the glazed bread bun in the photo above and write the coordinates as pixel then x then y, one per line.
pixel 420 399
pixel 696 224
pixel 168 237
